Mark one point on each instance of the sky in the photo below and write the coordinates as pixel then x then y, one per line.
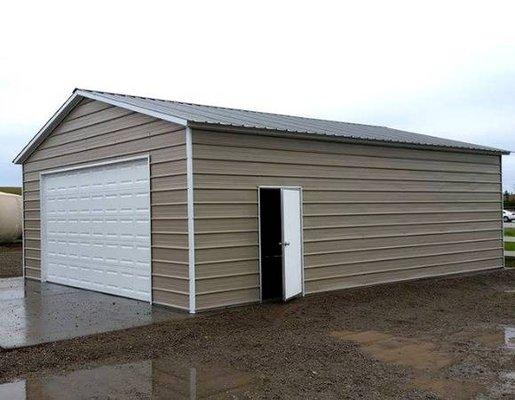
pixel 444 68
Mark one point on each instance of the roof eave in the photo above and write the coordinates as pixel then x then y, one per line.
pixel 78 94
pixel 342 139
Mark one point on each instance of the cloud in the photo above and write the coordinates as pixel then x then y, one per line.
pixel 13 137
pixel 440 68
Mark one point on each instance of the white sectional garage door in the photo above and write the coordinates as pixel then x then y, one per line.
pixel 96 228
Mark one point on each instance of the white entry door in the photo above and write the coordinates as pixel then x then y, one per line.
pixel 291 242
pixel 95 228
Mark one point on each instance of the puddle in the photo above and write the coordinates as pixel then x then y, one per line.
pixel 505 337
pixel 423 357
pixel 509 337
pixel 12 288
pixel 156 379
pixel 428 364
pixel 397 350
pixel 503 390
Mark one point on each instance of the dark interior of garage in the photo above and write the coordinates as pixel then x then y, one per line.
pixel 270 240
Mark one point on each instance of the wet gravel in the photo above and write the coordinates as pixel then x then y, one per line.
pixel 10 260
pixel 303 349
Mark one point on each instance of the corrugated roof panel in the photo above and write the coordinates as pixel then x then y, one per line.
pixel 210 115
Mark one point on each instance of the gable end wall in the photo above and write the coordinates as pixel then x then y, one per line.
pixel 94 131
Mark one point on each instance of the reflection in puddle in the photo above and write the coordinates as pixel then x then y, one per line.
pixel 156 379
pixel 509 337
pixel 33 313
pixel 11 288
pixel 13 391
pixel 503 336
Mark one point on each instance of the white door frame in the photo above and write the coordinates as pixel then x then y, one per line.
pixel 42 175
pixel 299 188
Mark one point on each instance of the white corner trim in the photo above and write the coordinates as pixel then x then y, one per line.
pixel 502 218
pixel 23 223
pixel 42 229
pixel 191 219
pixel 128 106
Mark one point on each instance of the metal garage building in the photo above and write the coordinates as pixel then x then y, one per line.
pixel 198 207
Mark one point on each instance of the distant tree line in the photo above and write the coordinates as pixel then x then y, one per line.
pixel 10 189
pixel 508 199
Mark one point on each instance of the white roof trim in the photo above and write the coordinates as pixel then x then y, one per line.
pixel 59 115
pixel 123 104
pixel 65 109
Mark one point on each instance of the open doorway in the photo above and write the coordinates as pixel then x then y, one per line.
pixel 280 219
pixel 270 240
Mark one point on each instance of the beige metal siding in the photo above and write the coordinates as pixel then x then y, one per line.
pixel 371 214
pixel 95 131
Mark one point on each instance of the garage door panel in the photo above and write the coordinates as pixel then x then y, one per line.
pixel 97 228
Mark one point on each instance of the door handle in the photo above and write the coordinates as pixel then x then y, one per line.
pixel 284 243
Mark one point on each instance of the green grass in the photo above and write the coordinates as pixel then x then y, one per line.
pixel 509 262
pixel 509 246
pixel 509 231
pixel 10 189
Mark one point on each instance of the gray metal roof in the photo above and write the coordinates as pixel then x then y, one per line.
pixel 229 117
pixel 196 115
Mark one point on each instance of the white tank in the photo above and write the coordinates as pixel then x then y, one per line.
pixel 10 217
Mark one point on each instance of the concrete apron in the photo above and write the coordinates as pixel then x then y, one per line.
pixel 34 313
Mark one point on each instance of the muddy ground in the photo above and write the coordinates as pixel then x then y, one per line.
pixel 430 339
pixel 10 260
